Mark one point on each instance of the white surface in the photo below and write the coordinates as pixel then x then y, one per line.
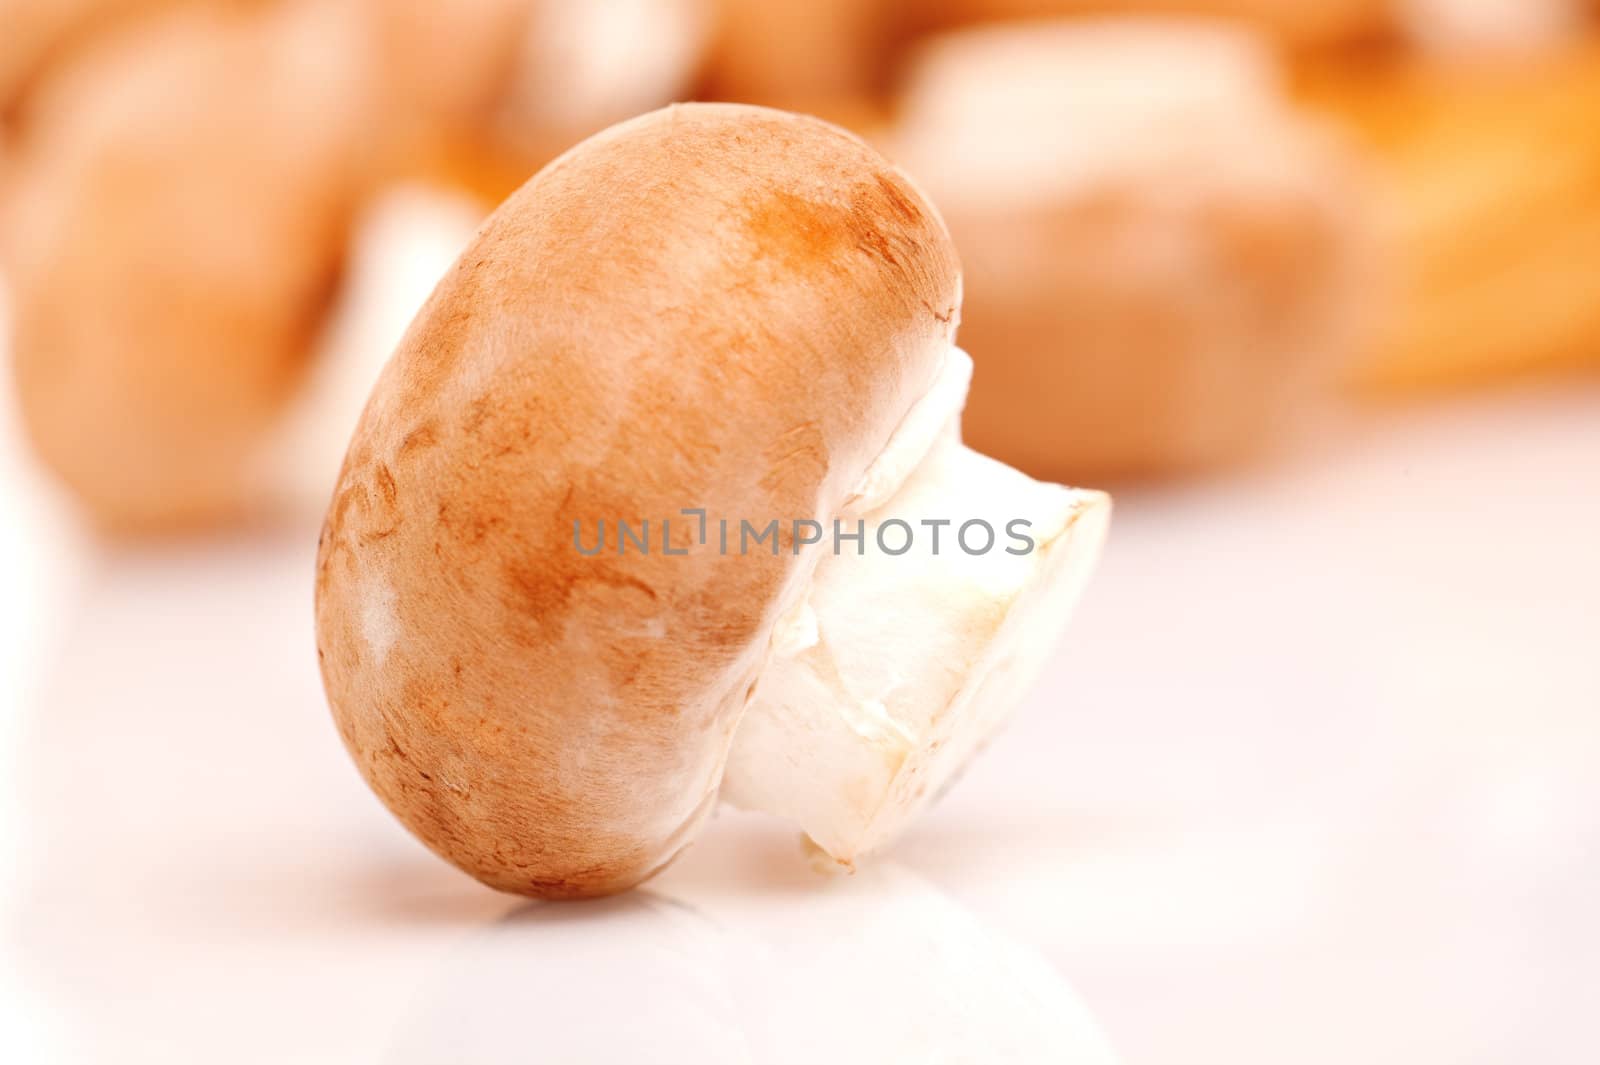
pixel 1313 781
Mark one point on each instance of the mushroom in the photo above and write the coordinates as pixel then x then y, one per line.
pixel 43 34
pixel 730 330
pixel 178 211
pixel 1163 258
pixel 174 229
pixel 583 67
pixel 1490 27
pixel 828 55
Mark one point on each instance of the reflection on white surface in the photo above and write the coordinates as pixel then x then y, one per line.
pixel 878 968
pixel 211 882
pixel 615 980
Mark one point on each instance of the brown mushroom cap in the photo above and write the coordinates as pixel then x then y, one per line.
pixel 709 306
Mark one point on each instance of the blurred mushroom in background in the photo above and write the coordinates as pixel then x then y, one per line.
pixel 43 34
pixel 177 209
pixel 1489 177
pixel 586 66
pixel 173 232
pixel 481 93
pixel 1165 255
pixel 1163 259
pixel 823 57
pixel 1459 27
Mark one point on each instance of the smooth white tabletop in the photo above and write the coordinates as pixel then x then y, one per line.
pixel 1313 780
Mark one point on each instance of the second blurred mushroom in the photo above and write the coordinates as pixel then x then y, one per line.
pixel 1162 257
pixel 174 235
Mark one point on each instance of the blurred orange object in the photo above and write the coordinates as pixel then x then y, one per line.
pixel 41 34
pixel 807 55
pixel 506 82
pixel 1162 258
pixel 1302 23
pixel 174 229
pixel 489 90
pixel 1490 173
pixel 174 218
pixel 1488 27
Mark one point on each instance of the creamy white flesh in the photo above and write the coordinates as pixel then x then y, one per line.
pixel 895 669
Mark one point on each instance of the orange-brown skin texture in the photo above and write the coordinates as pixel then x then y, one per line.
pixel 173 235
pixel 712 306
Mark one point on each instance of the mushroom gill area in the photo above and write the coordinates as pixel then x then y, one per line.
pixel 913 644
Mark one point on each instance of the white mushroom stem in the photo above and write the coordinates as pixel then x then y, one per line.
pixel 897 668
